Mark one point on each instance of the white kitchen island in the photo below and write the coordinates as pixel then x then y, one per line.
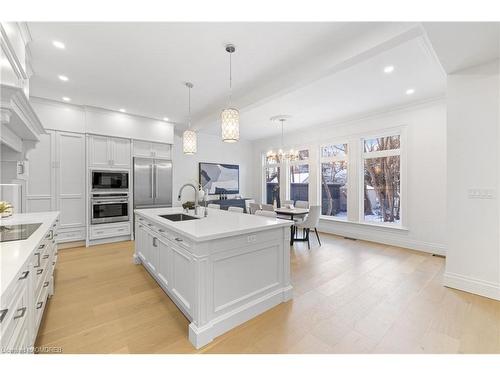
pixel 220 270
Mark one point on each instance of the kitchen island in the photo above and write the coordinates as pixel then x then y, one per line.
pixel 220 270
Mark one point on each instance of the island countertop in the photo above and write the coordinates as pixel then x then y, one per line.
pixel 15 254
pixel 218 224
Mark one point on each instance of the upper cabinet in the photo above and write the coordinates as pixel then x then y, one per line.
pixel 152 149
pixel 108 152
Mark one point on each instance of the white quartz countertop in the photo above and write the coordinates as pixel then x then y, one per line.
pixel 218 224
pixel 15 254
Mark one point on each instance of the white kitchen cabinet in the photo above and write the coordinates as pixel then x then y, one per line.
pixel 108 152
pixel 164 261
pixel 56 181
pixel 152 149
pixel 141 242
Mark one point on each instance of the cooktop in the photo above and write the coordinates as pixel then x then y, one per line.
pixel 17 232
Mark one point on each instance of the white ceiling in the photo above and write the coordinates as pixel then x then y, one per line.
pixel 315 72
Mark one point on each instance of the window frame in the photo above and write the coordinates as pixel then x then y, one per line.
pixel 264 167
pixel 289 164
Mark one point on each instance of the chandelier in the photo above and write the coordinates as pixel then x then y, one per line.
pixel 230 117
pixel 282 155
pixel 189 140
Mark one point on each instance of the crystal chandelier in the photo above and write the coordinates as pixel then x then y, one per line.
pixel 230 117
pixel 282 155
pixel 189 140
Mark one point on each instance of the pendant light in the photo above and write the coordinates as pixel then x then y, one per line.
pixel 281 155
pixel 230 117
pixel 189 141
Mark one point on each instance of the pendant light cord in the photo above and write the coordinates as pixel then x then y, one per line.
pixel 189 107
pixel 230 78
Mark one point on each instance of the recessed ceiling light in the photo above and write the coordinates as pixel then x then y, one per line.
pixel 63 78
pixel 389 69
pixel 410 91
pixel 66 99
pixel 58 44
pixel 165 118
pixel 122 109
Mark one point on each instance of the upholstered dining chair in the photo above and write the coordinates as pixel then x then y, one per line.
pixel 247 204
pixel 265 213
pixel 267 207
pixel 253 207
pixel 213 205
pixel 286 203
pixel 302 204
pixel 235 209
pixel 311 222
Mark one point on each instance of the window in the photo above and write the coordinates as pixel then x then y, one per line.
pixel 382 179
pixel 272 184
pixel 334 180
pixel 299 177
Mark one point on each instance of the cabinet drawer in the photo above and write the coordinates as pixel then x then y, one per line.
pixel 70 234
pixel 14 314
pixel 109 230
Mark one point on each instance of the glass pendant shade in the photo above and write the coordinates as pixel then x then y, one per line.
pixel 189 142
pixel 230 125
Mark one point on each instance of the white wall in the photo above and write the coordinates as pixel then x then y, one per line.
pixel 81 119
pixel 426 173
pixel 211 149
pixel 473 259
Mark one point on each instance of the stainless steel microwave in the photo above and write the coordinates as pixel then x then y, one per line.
pixel 110 181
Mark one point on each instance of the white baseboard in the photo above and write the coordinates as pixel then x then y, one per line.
pixel 472 285
pixel 386 236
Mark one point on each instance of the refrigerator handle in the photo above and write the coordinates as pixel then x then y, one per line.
pixel 152 180
pixel 155 166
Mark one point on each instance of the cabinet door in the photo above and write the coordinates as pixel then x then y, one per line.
pixel 70 151
pixel 164 262
pixel 120 153
pixel 153 252
pixel 182 277
pixel 99 150
pixel 141 243
pixel 142 149
pixel 162 150
pixel 40 187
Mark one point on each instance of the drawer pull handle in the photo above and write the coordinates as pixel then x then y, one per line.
pixel 161 230
pixel 155 242
pixel 178 239
pixel 38 260
pixel 53 263
pixel 45 256
pixel 22 310
pixel 45 284
pixel 41 246
pixel 141 219
pixel 149 224
pixel 39 305
pixel 3 313
pixel 24 275
pixel 38 272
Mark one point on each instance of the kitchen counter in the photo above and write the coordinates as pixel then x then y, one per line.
pixel 221 270
pixel 14 255
pixel 218 224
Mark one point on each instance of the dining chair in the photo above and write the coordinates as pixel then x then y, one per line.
pixel 267 207
pixel 213 205
pixel 235 209
pixel 302 204
pixel 265 213
pixel 286 203
pixel 253 207
pixel 247 204
pixel 311 222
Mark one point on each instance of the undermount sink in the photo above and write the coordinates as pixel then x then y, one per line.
pixel 178 217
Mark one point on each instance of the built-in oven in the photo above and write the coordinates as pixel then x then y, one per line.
pixel 109 208
pixel 109 181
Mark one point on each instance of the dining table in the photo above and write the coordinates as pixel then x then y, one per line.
pixel 291 213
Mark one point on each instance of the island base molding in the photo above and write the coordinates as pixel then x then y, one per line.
pixel 201 336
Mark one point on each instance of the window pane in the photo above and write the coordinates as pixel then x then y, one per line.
pixel 273 185
pixel 334 150
pixel 303 154
pixel 334 189
pixel 299 182
pixel 381 144
pixel 382 189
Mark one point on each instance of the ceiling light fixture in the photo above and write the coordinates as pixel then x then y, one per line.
pixel 66 99
pixel 281 155
pixel 189 141
pixel 410 91
pixel 230 117
pixel 389 69
pixel 58 44
pixel 63 78
pixel 122 110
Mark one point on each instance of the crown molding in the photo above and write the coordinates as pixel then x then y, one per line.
pixel 11 56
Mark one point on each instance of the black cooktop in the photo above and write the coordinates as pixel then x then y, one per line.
pixel 17 232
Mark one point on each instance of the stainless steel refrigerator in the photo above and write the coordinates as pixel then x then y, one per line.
pixel 152 183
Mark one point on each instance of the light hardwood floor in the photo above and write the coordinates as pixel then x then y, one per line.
pixel 349 297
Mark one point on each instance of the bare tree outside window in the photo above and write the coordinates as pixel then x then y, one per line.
pixel 334 180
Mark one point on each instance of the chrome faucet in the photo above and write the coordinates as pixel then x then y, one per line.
pixel 196 197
